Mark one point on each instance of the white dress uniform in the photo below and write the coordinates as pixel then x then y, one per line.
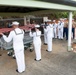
pixel 60 30
pixel 37 43
pixel 17 36
pixel 49 31
pixel 54 30
pixel 45 36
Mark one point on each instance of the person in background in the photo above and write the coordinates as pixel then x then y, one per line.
pixel 17 36
pixel 36 41
pixel 49 31
pixel 9 25
pixel 73 29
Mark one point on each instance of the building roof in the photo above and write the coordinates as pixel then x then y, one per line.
pixel 34 5
pixel 64 2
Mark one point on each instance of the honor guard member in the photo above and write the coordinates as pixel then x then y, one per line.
pixel 49 31
pixel 45 34
pixel 60 27
pixel 17 36
pixel 37 42
pixel 54 29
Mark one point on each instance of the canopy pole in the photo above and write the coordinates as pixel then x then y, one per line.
pixel 24 20
pixel 70 31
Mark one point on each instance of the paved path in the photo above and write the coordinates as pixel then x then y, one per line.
pixel 57 62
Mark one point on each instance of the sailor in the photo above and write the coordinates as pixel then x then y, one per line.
pixel 45 34
pixel 37 42
pixel 17 36
pixel 60 28
pixel 54 29
pixel 49 31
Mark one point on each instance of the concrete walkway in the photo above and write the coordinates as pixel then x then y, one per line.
pixel 57 62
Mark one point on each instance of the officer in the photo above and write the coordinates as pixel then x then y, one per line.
pixel 49 31
pixel 17 36
pixel 36 41
pixel 65 30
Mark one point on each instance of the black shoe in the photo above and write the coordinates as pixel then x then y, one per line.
pixel 14 57
pixel 0 55
pixel 37 60
pixel 48 51
pixel 17 70
pixel 61 39
pixel 45 43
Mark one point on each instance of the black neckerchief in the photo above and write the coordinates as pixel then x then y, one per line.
pixel 18 33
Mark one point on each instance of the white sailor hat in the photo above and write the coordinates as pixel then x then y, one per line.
pixel 37 26
pixel 48 20
pixel 65 18
pixel 45 21
pixel 28 20
pixel 15 23
pixel 61 19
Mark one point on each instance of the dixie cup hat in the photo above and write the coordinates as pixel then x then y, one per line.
pixel 15 23
pixel 48 20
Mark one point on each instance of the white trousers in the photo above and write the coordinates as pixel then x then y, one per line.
pixel 45 38
pixel 60 34
pixel 54 33
pixel 37 47
pixel 20 60
pixel 49 43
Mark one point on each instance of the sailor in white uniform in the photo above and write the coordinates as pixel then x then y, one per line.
pixel 17 36
pixel 60 28
pixel 45 34
pixel 36 41
pixel 54 29
pixel 49 31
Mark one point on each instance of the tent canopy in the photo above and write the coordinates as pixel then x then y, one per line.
pixel 34 5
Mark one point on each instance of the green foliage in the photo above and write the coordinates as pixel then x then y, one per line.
pixel 74 15
pixel 61 15
pixel 57 15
